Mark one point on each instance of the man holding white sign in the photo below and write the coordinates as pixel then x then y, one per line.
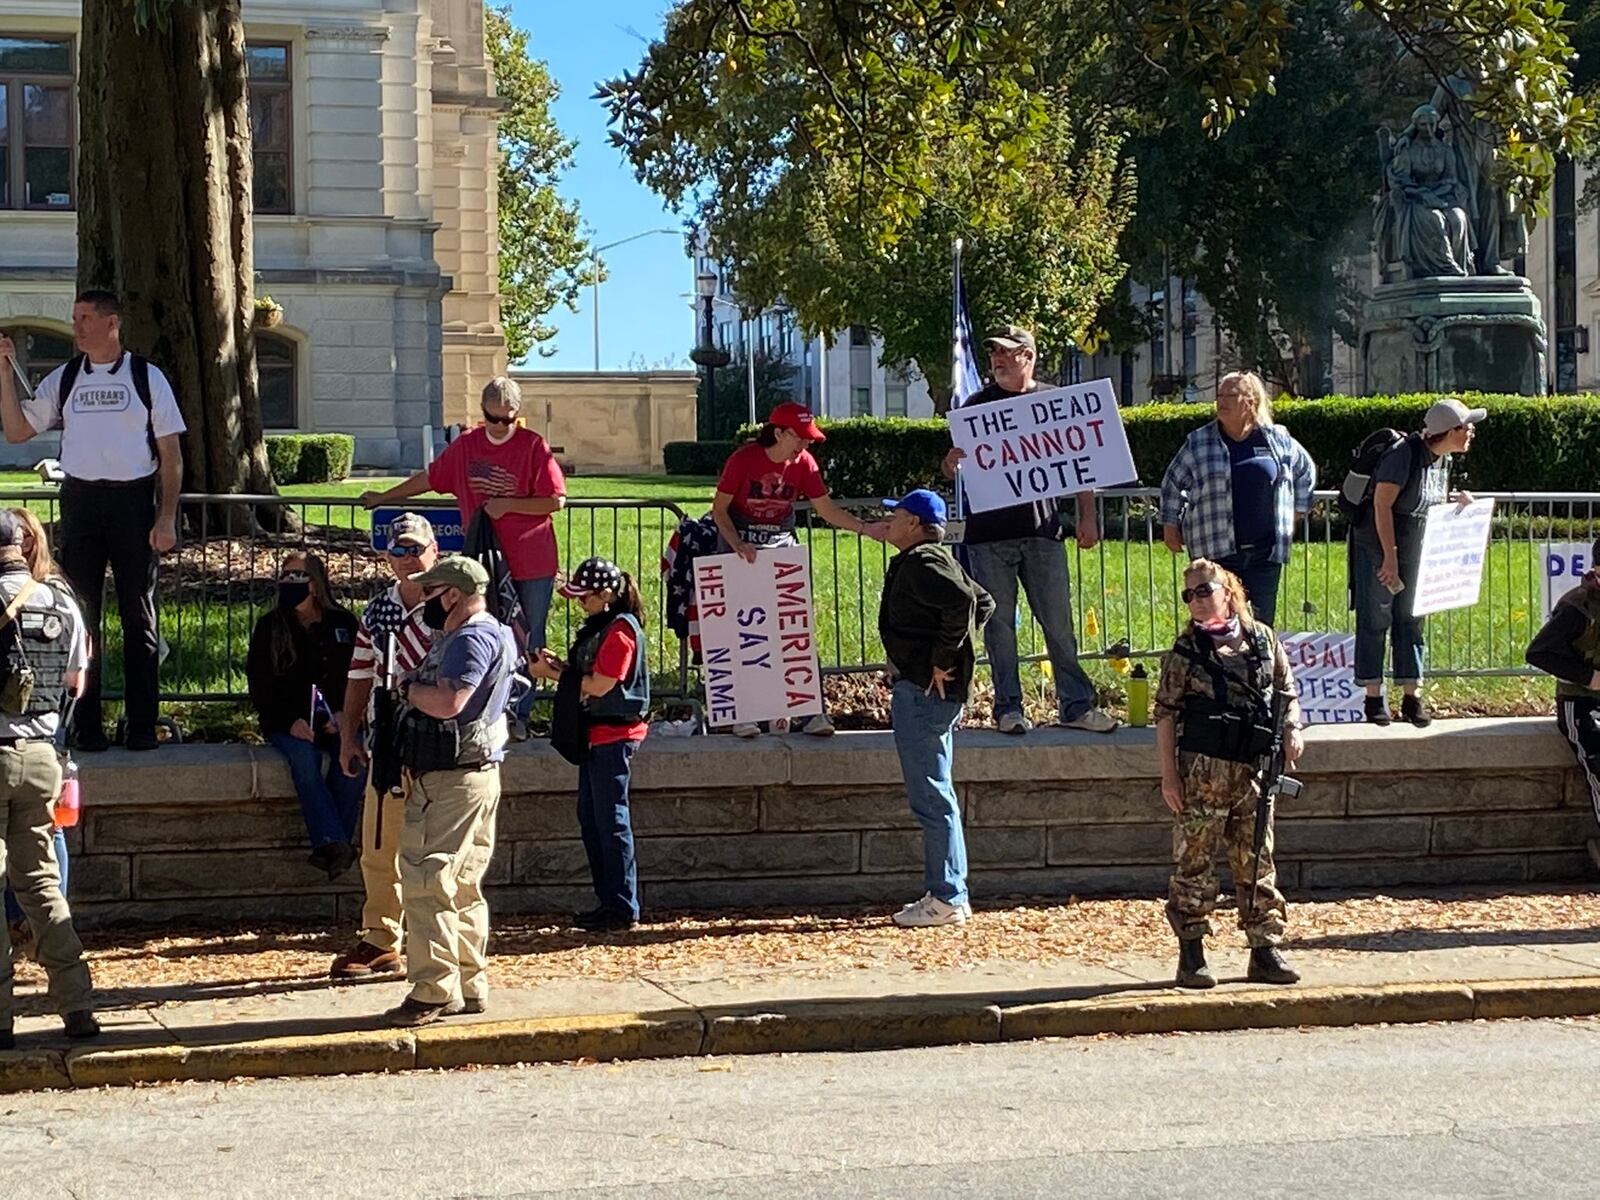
pixel 1026 446
pixel 1386 554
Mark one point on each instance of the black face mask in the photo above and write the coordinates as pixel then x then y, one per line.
pixel 290 595
pixel 435 614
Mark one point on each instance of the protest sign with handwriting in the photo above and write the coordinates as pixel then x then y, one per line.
pixel 1454 543
pixel 1041 445
pixel 756 636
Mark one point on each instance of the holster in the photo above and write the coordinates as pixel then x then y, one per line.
pixel 428 743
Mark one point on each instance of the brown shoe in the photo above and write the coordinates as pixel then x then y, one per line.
pixel 365 961
pixel 22 945
pixel 411 1012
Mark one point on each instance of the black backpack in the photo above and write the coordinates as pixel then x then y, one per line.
pixel 1355 495
pixel 138 371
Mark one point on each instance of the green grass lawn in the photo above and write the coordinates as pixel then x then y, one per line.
pixel 1124 590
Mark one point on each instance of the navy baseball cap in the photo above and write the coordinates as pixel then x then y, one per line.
pixel 927 507
pixel 593 575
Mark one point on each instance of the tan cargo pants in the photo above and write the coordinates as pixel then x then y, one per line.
pixel 380 871
pixel 445 849
pixel 30 778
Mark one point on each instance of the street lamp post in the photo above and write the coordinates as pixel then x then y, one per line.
pixel 706 354
pixel 595 282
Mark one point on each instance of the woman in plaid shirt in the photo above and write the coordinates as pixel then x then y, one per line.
pixel 1233 492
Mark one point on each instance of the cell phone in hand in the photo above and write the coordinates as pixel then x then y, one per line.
pixel 1395 588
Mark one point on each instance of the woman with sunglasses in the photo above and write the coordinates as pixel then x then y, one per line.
pixel 1213 725
pixel 298 668
pixel 510 474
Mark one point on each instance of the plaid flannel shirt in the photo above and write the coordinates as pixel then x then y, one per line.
pixel 1197 491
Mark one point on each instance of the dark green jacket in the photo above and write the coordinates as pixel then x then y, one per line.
pixel 930 616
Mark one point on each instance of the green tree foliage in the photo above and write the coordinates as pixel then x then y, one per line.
pixel 544 257
pixel 832 149
pixel 730 405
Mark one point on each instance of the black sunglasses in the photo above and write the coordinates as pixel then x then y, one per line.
pixel 499 420
pixel 1200 590
pixel 401 551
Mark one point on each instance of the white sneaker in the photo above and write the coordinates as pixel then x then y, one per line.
pixel 747 729
pixel 1095 720
pixel 819 726
pixel 930 911
pixel 1013 723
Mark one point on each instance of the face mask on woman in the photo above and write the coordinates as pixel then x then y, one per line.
pixel 1222 627
pixel 292 592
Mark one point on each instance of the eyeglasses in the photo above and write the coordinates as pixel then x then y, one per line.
pixel 401 551
pixel 490 420
pixel 1200 590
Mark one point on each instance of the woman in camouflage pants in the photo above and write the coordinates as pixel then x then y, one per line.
pixel 1216 688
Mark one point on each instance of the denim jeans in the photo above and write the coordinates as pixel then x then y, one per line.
pixel 607 828
pixel 1041 566
pixel 13 909
pixel 534 596
pixel 1260 576
pixel 1382 616
pixel 923 728
pixel 330 800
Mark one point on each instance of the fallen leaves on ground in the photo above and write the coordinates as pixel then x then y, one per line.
pixel 824 942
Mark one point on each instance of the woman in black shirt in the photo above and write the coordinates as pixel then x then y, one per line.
pixel 298 666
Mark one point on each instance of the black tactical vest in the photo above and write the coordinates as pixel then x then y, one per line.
pixel 40 640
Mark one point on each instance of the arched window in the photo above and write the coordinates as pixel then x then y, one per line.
pixel 277 376
pixel 39 351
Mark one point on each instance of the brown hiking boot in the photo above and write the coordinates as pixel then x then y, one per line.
pixel 365 961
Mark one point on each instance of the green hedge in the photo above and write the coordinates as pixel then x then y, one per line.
pixel 1546 444
pixel 696 458
pixel 310 457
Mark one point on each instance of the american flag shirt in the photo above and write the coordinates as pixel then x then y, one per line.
pixel 386 614
pixel 1197 491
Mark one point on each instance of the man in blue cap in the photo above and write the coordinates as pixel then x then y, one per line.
pixel 929 618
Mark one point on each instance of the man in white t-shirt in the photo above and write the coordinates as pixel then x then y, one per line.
pixel 119 425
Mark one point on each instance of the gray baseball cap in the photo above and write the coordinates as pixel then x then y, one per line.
pixel 1011 337
pixel 1449 414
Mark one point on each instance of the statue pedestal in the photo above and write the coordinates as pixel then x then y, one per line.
pixel 1474 333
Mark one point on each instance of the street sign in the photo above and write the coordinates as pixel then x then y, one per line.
pixel 447 527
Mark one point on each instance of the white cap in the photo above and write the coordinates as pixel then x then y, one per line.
pixel 1449 414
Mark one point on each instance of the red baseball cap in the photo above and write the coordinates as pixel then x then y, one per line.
pixel 797 417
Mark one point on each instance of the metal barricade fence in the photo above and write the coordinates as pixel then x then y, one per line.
pixel 211 590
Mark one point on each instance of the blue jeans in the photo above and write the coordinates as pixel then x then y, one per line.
pixel 534 596
pixel 607 828
pixel 13 910
pixel 1041 566
pixel 329 799
pixel 923 728
pixel 1260 576
pixel 1381 616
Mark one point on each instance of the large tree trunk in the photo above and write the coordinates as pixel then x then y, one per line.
pixel 164 216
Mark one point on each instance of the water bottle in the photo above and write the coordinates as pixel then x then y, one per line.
pixel 67 802
pixel 1139 697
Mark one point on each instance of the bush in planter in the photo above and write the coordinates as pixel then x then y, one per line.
pixel 310 457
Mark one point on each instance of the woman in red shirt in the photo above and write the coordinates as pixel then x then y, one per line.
pixel 756 495
pixel 607 678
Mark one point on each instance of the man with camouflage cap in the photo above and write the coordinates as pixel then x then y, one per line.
pixel 451 736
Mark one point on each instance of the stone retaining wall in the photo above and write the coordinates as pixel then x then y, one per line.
pixel 213 832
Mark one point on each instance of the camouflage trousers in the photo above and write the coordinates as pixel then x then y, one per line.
pixel 1219 814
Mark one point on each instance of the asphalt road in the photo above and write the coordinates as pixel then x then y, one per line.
pixel 1497 1109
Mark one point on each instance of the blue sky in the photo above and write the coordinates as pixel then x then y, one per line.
pixel 642 309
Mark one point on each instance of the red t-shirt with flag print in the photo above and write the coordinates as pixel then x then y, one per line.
pixel 473 469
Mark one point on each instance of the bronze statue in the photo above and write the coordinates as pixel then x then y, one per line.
pixel 1422 219
pixel 1498 230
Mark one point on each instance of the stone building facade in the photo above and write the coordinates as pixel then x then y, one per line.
pixel 375 167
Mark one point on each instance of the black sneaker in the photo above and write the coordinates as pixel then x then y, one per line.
pixel 143 739
pixel 415 1012
pixel 1377 711
pixel 8 1040
pixel 606 920
pixel 90 739
pixel 1411 710
pixel 80 1025
pixel 1267 965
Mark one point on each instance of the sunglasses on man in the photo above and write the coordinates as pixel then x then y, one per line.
pixel 1199 591
pixel 402 551
pixel 493 420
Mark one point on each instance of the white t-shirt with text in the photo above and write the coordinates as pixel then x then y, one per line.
pixel 103 422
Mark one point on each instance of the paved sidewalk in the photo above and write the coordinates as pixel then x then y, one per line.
pixel 300 1022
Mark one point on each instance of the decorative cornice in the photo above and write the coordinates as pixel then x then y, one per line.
pixel 354 35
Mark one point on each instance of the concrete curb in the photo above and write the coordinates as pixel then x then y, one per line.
pixel 802 1026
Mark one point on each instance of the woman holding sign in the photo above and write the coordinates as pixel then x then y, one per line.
pixel 603 704
pixel 756 495
pixel 1234 491
pixel 1386 554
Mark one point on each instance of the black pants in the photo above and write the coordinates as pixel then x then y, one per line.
pixel 110 523
pixel 1579 722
